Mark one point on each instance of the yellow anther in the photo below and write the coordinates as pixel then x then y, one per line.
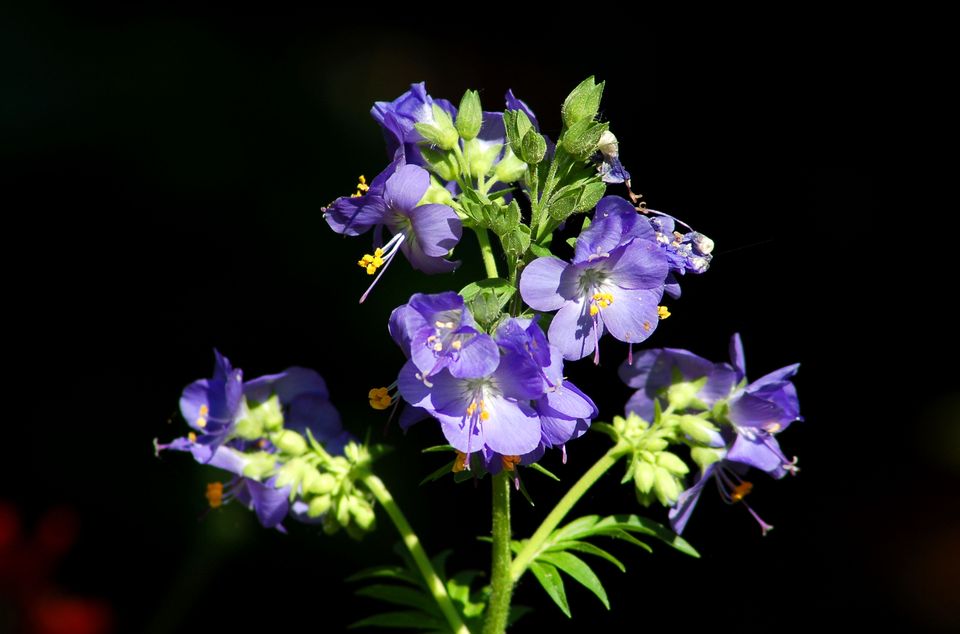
pixel 371 262
pixel 594 310
pixel 448 325
pixel 380 398
pixel 362 187
pixel 192 437
pixel 456 344
pixel 201 422
pixel 484 414
pixel 431 338
pixel 662 312
pixel 600 300
pixel 741 491
pixel 204 410
pixel 437 347
pixel 460 463
pixel 773 427
pixel 471 408
pixel 214 494
pixel 510 462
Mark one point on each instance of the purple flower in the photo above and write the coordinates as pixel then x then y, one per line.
pixel 614 282
pixel 755 413
pixel 424 233
pixel 437 332
pixel 653 371
pixel 399 117
pixel 565 412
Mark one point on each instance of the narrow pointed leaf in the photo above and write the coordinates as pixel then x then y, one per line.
pixel 536 467
pixel 589 549
pixel 635 523
pixel 580 571
pixel 439 473
pixel 408 619
pixel 437 448
pixel 549 578
pixel 385 572
pixel 579 527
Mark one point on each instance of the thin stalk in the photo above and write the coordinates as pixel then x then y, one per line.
pixel 498 610
pixel 533 546
pixel 489 263
pixel 412 542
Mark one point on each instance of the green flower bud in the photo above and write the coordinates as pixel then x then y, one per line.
pixel 533 147
pixel 342 511
pixel 479 159
pixel 470 115
pixel 510 168
pixel 655 444
pixel 443 164
pixel 324 484
pixel 259 465
pixel 441 132
pixel 362 513
pixel 299 475
pixel 643 475
pixel 583 103
pixel 699 429
pixel 706 456
pixel 517 124
pixel 259 418
pixel 684 395
pixel 672 463
pixel 437 193
pixel 330 524
pixel 665 487
pixel 289 441
pixel 319 505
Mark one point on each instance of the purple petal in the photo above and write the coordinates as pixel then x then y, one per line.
pixel 761 452
pixel 422 262
pixel 680 514
pixel 540 284
pixel 354 216
pixel 572 331
pixel 512 429
pixel 478 357
pixel 411 388
pixel 406 187
pixel 632 316
pixel 641 264
pixel 437 228
pixel 736 356
pixel 270 504
pixel 776 376
pixel 570 402
pixel 404 323
pixel 515 104
pixel 316 413
pixel 747 410
pixel 287 385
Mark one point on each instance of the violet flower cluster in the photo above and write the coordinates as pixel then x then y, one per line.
pixel 729 424
pixel 281 442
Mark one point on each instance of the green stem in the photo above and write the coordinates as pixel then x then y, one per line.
pixel 412 542
pixel 498 610
pixel 532 548
pixel 489 263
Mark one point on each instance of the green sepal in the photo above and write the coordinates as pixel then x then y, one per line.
pixel 503 219
pixel 581 139
pixel 510 168
pixel 479 158
pixel 533 147
pixel 517 124
pixel 442 163
pixel 536 466
pixel 441 132
pixel 517 241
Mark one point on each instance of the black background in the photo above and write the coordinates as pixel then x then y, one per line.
pixel 166 170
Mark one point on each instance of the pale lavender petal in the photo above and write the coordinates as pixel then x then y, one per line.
pixel 478 357
pixel 680 514
pixel 737 357
pixel 572 330
pixel 406 187
pixel 632 316
pixel 540 284
pixel 437 228
pixel 761 452
pixel 354 216
pixel 512 429
pixel 641 264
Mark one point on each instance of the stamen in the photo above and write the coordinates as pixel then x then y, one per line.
pixel 662 312
pixel 510 462
pixel 386 255
pixel 460 463
pixel 456 344
pixel 214 494
pixel 380 398
pixel 192 437
pixel 741 491
pixel 362 188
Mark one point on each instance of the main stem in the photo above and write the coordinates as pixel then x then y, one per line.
pixel 412 542
pixel 489 263
pixel 498 610
pixel 533 546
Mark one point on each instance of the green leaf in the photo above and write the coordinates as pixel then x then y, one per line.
pixel 541 251
pixel 588 549
pixel 549 578
pixel 619 533
pixel 561 207
pixel 402 596
pixel 590 195
pixel 607 429
pixel 501 287
pixel 572 242
pixel 458 588
pixel 646 526
pixel 537 467
pixel 503 219
pixel 582 138
pixel 580 571
pixel 385 572
pixel 408 619
pixel 517 241
pixel 439 473
pixel 579 527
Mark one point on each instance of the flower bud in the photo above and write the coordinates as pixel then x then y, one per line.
pixel 441 132
pixel 469 116
pixel 608 145
pixel 700 430
pixel 259 465
pixel 319 505
pixel 684 395
pixel 510 168
pixel 665 487
pixel 643 475
pixel 672 463
pixel 479 157
pixel 362 513
pixel 706 456
pixel 582 103
pixel 533 147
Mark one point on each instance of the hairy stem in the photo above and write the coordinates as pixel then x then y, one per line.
pixel 498 610
pixel 412 542
pixel 489 263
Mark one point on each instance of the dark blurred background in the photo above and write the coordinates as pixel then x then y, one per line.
pixel 165 170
